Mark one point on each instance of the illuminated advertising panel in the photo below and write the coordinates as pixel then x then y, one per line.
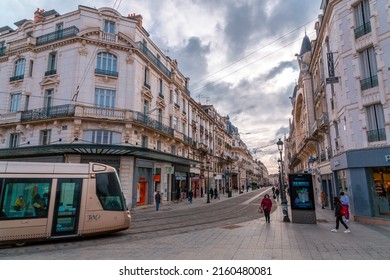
pixel 302 197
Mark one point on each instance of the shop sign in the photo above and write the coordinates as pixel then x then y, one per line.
pixel 387 157
pixel 170 170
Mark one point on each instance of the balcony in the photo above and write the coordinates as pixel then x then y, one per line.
pixel 48 113
pixel 51 72
pixel 108 37
pixel 144 119
pixel 369 82
pixel 101 113
pixel 21 43
pixel 57 35
pixel 203 147
pixel 16 78
pixel 376 135
pixel 106 72
pixel 7 118
pixel 156 61
pixel 362 30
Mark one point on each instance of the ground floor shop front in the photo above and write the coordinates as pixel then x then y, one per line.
pixel 364 175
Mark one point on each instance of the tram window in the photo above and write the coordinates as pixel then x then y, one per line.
pixel 109 191
pixel 24 198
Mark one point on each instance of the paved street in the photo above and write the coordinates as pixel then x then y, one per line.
pixel 253 239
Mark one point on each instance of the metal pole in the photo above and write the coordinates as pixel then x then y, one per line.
pixel 208 184
pixel 283 193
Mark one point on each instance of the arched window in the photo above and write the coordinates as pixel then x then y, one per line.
pixel 106 64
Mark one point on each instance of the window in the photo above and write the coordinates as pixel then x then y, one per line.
pixel 184 107
pixel 108 190
pixel 106 64
pixel 176 123
pixel 59 31
pixel 45 137
pixel 19 70
pixel 51 67
pixel 15 102
pixel 25 198
pixel 144 141
pixel 146 107
pixel 102 137
pixel 14 140
pixel 173 150
pixel 176 98
pixel 30 71
pixel 362 19
pixel 161 93
pixel 48 99
pixel 375 123
pixel 158 145
pixel 368 69
pixel 27 103
pixel 146 78
pixel 160 116
pixel 104 98
pixel 109 27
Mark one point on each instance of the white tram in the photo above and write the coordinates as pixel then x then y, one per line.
pixel 43 201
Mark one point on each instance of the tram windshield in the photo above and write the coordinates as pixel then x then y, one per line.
pixel 108 190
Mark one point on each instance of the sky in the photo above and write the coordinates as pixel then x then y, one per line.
pixel 238 54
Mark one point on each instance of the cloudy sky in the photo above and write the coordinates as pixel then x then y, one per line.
pixel 238 54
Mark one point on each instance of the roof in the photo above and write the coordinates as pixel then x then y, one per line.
pixel 306 45
pixel 95 149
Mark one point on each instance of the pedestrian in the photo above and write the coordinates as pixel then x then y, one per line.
pixel 266 207
pixel 157 198
pixel 211 193
pixel 345 202
pixel 215 193
pixel 339 215
pixel 190 195
pixel 277 192
pixel 273 190
pixel 323 199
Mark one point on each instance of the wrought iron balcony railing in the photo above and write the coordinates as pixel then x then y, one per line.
pixel 152 123
pixel 362 30
pixel 57 35
pixel 48 112
pixel 369 82
pixel 156 61
pixel 106 72
pixel 376 135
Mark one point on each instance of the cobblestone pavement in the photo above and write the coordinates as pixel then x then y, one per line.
pixel 243 241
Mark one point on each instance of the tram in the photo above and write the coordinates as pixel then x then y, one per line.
pixel 45 201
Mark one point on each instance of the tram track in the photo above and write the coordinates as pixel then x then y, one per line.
pixel 150 224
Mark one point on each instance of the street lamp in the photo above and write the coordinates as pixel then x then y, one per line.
pixel 208 182
pixel 282 185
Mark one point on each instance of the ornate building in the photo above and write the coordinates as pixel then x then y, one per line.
pixel 91 85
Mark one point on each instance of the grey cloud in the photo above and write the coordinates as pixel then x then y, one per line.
pixel 280 68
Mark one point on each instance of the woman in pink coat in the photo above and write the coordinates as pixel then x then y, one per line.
pixel 266 205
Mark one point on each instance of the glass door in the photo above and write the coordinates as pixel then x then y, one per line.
pixel 67 206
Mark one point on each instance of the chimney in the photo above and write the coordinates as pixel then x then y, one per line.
pixel 37 15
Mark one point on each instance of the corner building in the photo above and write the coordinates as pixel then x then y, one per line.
pixel 91 85
pixel 348 118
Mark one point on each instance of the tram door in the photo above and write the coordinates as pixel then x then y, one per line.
pixel 67 206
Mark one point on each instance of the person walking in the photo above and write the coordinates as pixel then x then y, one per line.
pixel 211 193
pixel 277 193
pixel 339 216
pixel 215 193
pixel 266 207
pixel 157 198
pixel 323 199
pixel 345 203
pixel 190 195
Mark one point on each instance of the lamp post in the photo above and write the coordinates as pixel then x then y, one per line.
pixel 282 185
pixel 208 182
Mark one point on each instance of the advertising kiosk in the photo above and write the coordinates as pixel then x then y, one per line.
pixel 302 198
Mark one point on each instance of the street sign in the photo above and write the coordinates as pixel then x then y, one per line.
pixel 332 80
pixel 170 170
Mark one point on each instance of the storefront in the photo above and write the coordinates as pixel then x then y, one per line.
pixel 364 175
pixel 180 186
pixel 194 178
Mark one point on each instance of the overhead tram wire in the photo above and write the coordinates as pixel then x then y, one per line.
pixel 75 96
pixel 246 56
pixel 239 69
